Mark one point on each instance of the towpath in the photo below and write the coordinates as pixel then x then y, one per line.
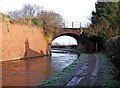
pixel 89 73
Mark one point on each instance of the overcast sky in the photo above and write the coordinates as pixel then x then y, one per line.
pixel 70 10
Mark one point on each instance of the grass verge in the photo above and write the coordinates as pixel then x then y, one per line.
pixel 109 71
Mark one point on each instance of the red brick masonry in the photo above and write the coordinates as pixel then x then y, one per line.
pixel 22 41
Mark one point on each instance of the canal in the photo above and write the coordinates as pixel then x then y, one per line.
pixel 34 71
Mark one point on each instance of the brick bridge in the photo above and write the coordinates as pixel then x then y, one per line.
pixel 73 29
pixel 76 30
pixel 78 34
pixel 73 32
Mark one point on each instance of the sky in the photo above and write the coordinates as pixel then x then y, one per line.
pixel 64 40
pixel 70 10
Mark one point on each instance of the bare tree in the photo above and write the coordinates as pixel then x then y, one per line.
pixel 15 14
pixel 50 21
pixel 30 11
pixel 27 11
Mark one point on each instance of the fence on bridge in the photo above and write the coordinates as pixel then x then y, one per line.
pixel 68 24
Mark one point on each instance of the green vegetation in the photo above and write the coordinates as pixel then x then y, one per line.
pixel 7 20
pixel 113 50
pixel 106 12
pixel 1 15
pixel 109 73
pixel 35 21
pixel 105 21
pixel 62 78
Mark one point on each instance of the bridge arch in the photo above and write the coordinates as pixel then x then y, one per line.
pixel 75 36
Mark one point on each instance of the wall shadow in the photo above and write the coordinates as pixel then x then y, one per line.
pixel 30 52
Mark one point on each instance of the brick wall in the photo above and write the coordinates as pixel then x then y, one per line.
pixel 22 41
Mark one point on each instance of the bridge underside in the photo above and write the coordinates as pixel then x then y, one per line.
pixel 71 35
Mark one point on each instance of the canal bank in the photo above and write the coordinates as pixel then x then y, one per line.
pixel 88 70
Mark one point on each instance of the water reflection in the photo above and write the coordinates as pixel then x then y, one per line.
pixel 33 71
pixel 62 61
pixel 26 72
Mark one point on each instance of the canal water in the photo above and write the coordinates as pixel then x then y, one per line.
pixel 34 71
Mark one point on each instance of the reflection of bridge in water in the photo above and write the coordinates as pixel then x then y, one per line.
pixel 60 51
pixel 63 50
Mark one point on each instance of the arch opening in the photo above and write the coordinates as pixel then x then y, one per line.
pixel 72 35
pixel 65 40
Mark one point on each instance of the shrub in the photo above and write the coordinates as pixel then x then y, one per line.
pixel 35 21
pixel 113 50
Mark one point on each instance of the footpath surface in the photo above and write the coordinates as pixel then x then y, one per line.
pixel 87 74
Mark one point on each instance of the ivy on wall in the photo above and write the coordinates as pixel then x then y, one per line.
pixel 7 20
pixel 48 38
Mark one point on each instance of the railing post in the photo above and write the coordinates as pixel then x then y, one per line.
pixel 80 24
pixel 72 24
pixel 64 24
pixel 87 24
